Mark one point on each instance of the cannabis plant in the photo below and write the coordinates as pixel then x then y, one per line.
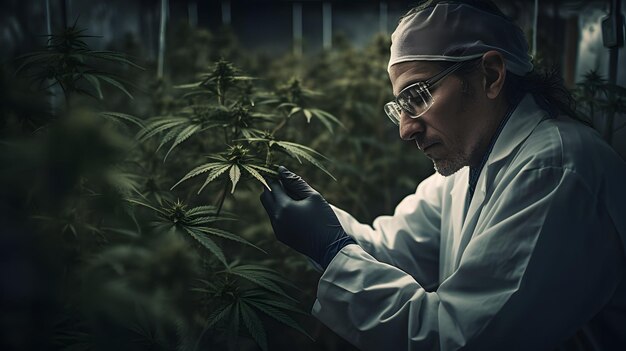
pixel 224 104
pixel 597 98
pixel 67 61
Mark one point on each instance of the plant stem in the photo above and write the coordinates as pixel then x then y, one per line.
pixel 279 126
pixel 220 98
pixel 268 158
pixel 222 198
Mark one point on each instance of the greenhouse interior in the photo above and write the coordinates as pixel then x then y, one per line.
pixel 138 135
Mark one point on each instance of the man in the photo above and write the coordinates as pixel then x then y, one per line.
pixel 516 243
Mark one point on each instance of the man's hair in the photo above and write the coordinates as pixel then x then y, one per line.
pixel 546 85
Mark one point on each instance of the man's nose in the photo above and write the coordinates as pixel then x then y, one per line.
pixel 409 127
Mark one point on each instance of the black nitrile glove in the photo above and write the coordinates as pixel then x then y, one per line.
pixel 302 219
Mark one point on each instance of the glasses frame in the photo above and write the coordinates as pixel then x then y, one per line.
pixel 423 89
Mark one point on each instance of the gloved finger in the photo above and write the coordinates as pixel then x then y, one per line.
pixel 294 184
pixel 279 194
pixel 267 200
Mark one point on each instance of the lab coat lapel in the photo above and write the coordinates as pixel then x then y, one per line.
pixel 458 209
pixel 469 224
pixel 520 125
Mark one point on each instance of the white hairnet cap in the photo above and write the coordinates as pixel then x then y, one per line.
pixel 458 32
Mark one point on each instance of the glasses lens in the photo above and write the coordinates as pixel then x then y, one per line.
pixel 415 100
pixel 394 112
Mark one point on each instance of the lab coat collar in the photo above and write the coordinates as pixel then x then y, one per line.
pixel 522 122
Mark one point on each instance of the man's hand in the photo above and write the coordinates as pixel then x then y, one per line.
pixel 302 219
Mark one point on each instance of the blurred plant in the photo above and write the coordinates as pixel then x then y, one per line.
pixel 596 95
pixel 70 63
pixel 175 218
pixel 142 266
pixel 239 301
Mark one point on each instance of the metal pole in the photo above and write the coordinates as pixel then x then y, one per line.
pixel 192 11
pixel 64 13
pixel 382 17
pixel 48 24
pixel 535 20
pixel 226 13
pixel 616 15
pixel 162 29
pixel 297 28
pixel 327 25
pixel 53 88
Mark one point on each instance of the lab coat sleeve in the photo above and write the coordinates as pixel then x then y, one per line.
pixel 410 238
pixel 544 264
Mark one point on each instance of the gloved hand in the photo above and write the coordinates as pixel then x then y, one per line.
pixel 302 219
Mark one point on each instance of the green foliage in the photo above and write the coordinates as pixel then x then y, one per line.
pixel 98 196
pixel 149 217
pixel 225 102
pixel 69 62
pixel 595 94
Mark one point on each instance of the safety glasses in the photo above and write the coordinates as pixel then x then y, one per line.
pixel 416 99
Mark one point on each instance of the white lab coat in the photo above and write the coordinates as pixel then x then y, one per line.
pixel 535 262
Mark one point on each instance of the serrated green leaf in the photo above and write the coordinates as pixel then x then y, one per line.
pixel 202 211
pixel 213 175
pixel 308 115
pixel 217 316
pixel 188 86
pixel 35 57
pixel 294 110
pixel 264 272
pixel 208 243
pixel 254 325
pixel 279 316
pixel 113 56
pixel 261 281
pixel 235 174
pixel 169 136
pixel 256 175
pixel 197 171
pixel 184 135
pixel 326 119
pixel 286 104
pixel 268 299
pixel 146 205
pixel 152 130
pixel 124 116
pixel 115 83
pixel 264 169
pixel 95 83
pixel 226 235
pixel 297 150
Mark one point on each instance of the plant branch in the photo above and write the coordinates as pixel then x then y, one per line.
pixel 223 194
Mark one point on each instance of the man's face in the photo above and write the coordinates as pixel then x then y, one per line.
pixel 453 131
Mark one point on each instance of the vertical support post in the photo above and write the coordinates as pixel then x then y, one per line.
pixel 53 89
pixel 614 29
pixel 570 50
pixel 64 13
pixel 535 20
pixel 297 28
pixel 48 20
pixel 382 17
pixel 192 13
pixel 69 12
pixel 162 30
pixel 327 26
pixel 226 12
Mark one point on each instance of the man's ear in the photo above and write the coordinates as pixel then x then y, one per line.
pixel 494 69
